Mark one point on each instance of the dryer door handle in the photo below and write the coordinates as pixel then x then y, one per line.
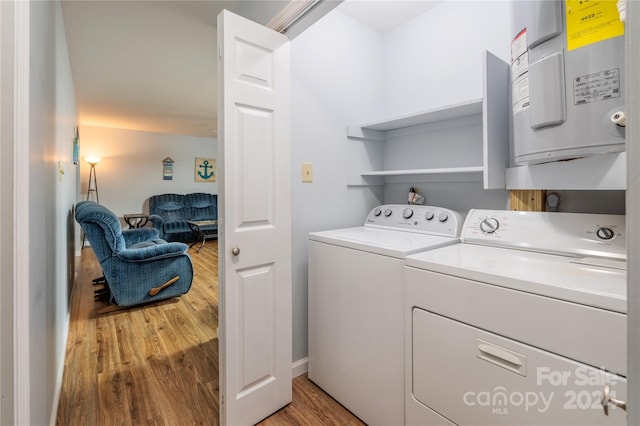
pixel 608 399
pixel 502 357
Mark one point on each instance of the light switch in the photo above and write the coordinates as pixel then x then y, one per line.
pixel 60 171
pixel 307 172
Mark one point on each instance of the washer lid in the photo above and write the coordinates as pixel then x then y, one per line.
pixel 596 282
pixel 382 241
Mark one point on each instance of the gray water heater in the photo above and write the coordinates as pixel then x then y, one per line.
pixel 567 76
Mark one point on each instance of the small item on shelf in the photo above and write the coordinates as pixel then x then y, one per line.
pixel 414 197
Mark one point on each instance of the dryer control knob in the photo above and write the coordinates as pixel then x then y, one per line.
pixel 442 217
pixel 489 225
pixel 387 212
pixel 428 215
pixel 605 233
pixel 407 213
pixel 377 212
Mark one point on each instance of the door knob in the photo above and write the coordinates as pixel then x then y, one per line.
pixel 608 399
pixel 235 251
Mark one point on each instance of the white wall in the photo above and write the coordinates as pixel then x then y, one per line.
pixel 433 61
pixel 131 167
pixel 52 118
pixel 336 80
pixel 345 73
pixel 436 58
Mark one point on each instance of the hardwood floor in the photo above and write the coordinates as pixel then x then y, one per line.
pixel 158 364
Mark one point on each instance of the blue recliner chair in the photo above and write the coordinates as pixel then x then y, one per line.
pixel 138 266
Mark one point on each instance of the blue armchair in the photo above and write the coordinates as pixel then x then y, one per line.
pixel 138 266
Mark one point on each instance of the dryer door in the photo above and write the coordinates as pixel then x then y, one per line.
pixel 471 376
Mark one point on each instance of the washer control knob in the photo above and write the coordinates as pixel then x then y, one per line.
pixel 377 212
pixel 605 233
pixel 428 215
pixel 442 217
pixel 489 225
pixel 387 212
pixel 407 213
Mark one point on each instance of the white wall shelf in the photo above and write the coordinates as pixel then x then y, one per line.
pixel 494 110
pixel 444 170
pixel 377 178
pixel 449 112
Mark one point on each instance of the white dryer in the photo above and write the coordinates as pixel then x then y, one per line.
pixel 523 323
pixel 356 299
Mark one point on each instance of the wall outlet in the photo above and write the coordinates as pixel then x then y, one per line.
pixel 553 199
pixel 307 172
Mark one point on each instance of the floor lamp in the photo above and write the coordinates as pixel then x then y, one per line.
pixel 92 187
pixel 93 183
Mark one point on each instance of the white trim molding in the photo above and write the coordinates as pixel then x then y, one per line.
pixel 60 374
pixel 290 14
pixel 632 94
pixel 300 367
pixel 299 15
pixel 7 254
pixel 22 332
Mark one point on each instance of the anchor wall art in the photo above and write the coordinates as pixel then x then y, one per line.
pixel 205 170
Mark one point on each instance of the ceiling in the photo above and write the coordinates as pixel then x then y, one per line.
pixel 386 15
pixel 151 65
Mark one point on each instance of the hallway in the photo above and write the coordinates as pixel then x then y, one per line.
pixel 158 364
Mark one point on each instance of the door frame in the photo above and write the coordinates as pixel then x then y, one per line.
pixel 632 92
pixel 15 372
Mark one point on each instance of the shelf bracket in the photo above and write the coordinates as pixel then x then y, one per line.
pixel 359 180
pixel 356 132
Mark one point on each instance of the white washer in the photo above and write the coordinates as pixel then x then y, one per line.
pixel 356 299
pixel 523 323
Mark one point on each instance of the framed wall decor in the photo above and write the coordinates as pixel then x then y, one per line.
pixel 167 169
pixel 205 169
pixel 76 145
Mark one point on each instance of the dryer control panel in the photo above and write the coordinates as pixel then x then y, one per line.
pixel 570 234
pixel 415 218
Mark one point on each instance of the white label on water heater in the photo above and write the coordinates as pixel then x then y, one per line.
pixel 520 66
pixel 519 72
pixel 519 45
pixel 520 93
pixel 596 87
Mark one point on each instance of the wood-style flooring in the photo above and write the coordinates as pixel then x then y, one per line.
pixel 158 364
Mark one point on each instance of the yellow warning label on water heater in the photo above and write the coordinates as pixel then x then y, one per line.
pixel 591 21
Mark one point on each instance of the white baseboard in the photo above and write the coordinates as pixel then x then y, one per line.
pixel 60 372
pixel 300 367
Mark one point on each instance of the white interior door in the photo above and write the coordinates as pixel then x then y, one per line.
pixel 255 220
